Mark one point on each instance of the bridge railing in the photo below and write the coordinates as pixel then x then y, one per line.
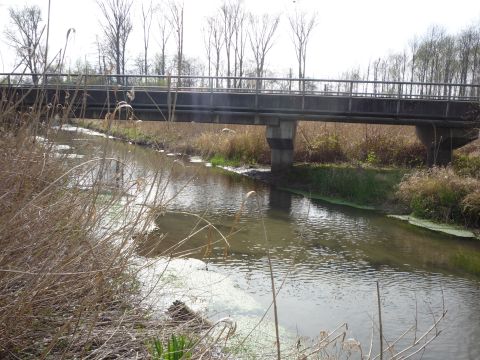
pixel 266 85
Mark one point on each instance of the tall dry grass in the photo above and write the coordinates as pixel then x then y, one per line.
pixel 68 272
pixel 66 290
pixel 382 145
pixel 442 194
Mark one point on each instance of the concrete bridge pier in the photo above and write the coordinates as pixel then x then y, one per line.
pixel 281 138
pixel 441 141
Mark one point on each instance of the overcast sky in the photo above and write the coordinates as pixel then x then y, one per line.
pixel 350 32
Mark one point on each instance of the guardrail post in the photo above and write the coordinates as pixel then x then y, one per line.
pixel 399 97
pixel 303 94
pixel 9 81
pixel 447 108
pixel 210 80
pixel 350 95
pixel 257 90
pixel 169 98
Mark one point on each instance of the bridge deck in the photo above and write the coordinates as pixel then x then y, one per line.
pixel 260 109
pixel 451 105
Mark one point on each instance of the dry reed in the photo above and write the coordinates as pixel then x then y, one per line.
pixel 382 145
pixel 68 284
pixel 441 194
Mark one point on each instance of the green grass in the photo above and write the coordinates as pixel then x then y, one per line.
pixel 357 185
pixel 219 160
pixel 177 347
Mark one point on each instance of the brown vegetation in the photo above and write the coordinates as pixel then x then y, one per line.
pixel 64 289
pixel 68 284
pixel 442 194
pixel 381 145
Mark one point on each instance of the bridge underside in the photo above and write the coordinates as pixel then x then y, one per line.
pixel 442 125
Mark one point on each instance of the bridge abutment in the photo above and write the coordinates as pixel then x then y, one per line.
pixel 441 141
pixel 281 138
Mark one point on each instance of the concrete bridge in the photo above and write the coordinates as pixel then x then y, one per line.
pixel 446 116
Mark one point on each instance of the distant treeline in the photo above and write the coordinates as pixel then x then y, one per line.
pixel 435 57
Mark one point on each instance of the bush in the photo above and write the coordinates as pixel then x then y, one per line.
pixel 467 165
pixel 471 207
pixel 441 194
pixel 321 148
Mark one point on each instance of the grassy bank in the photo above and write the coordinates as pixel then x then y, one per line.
pixel 360 186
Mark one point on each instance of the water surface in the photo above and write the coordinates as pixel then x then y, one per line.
pixel 326 259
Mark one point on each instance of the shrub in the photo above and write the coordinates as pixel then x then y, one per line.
pixel 441 194
pixel 467 165
pixel 321 148
pixel 471 207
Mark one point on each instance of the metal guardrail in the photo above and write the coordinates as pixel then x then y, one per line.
pixel 267 85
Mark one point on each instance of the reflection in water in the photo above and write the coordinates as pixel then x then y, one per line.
pixel 279 201
pixel 330 256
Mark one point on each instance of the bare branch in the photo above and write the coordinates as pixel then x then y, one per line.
pixel 117 27
pixel 302 26
pixel 262 30
pixel 25 35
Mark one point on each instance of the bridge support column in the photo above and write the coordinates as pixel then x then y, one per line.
pixel 441 141
pixel 281 138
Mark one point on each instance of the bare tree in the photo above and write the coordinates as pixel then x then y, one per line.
pixel 229 12
pixel 117 26
pixel 26 37
pixel 432 60
pixel 147 17
pixel 465 42
pixel 207 40
pixel 261 34
pixel 164 36
pixel 240 43
pixel 413 62
pixel 215 29
pixel 176 21
pixel 302 26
